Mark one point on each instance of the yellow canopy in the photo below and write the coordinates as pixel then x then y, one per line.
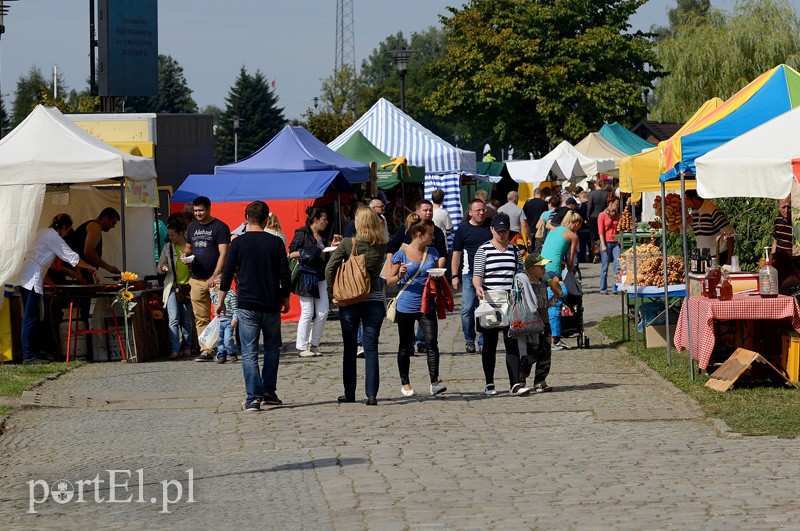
pixel 640 173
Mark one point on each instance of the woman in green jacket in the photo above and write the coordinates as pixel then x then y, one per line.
pixel 370 241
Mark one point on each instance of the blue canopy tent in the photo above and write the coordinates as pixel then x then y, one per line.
pixel 250 187
pixel 624 139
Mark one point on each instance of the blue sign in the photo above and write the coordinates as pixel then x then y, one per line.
pixel 128 47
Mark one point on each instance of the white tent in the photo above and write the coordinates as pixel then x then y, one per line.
pixel 48 149
pixel 760 163
pixel 564 161
pixel 398 135
pixel 597 146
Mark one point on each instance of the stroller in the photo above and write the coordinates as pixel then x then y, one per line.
pixel 572 310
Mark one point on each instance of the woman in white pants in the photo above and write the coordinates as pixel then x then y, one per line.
pixel 306 248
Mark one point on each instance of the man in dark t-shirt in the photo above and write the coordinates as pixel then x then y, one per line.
pixel 534 207
pixel 782 230
pixel 468 237
pixel 207 240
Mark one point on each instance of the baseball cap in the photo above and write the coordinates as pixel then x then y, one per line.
pixel 571 201
pixel 536 260
pixel 500 221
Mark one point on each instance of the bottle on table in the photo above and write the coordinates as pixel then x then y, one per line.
pixel 695 262
pixel 713 278
pixel 767 277
pixel 725 288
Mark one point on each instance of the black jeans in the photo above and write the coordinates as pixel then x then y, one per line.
pixel 489 356
pixel 430 330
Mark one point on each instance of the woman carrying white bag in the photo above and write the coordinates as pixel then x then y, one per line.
pixel 496 264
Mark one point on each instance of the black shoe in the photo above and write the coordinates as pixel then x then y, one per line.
pixel 271 399
pixel 344 399
pixel 469 347
pixel 372 401
pixel 422 348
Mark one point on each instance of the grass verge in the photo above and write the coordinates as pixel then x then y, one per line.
pixel 14 379
pixel 747 410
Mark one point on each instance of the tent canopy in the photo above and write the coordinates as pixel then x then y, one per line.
pixel 48 148
pixel 640 173
pixel 624 139
pixel 398 135
pixel 596 146
pixel 759 163
pixel 564 161
pixel 357 147
pixel 294 149
pixel 769 95
pixel 238 187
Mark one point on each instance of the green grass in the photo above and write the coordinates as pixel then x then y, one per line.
pixel 758 410
pixel 14 379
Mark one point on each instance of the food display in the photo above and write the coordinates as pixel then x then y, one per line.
pixel 625 220
pixel 674 219
pixel 649 267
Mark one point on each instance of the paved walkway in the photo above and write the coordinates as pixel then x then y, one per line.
pixel 612 447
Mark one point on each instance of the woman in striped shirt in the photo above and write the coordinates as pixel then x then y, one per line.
pixel 496 264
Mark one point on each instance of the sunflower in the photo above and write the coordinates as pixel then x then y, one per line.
pixel 157 314
pixel 129 277
pixel 127 295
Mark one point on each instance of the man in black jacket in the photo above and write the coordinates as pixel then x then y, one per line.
pixel 598 199
pixel 258 259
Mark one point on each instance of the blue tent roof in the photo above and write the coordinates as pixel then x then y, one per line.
pixel 294 149
pixel 231 187
pixel 624 139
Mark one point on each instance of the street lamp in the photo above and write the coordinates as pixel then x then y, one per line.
pixel 236 121
pixel 401 56
pixel 646 93
pixel 316 103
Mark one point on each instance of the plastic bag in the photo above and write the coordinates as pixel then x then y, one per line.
pixel 493 311
pixel 210 336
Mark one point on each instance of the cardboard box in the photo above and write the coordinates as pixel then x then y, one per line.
pixel 656 335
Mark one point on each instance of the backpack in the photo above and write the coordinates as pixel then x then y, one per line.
pixel 352 283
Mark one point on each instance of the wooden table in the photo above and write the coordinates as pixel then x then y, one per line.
pixel 703 312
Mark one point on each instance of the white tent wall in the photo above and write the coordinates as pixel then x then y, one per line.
pixel 83 203
pixel 451 185
pixel 19 204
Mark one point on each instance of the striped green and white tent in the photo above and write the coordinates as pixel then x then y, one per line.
pixel 398 135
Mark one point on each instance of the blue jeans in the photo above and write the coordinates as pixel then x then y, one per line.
pixel 611 255
pixel 369 315
pixel 227 339
pixel 30 320
pixel 179 330
pixel 469 301
pixel 251 326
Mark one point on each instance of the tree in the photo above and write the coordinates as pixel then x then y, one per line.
pixel 174 94
pixel 29 91
pixel 254 104
pixel 534 72
pixel 720 54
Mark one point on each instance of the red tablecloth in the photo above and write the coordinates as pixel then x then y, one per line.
pixel 703 312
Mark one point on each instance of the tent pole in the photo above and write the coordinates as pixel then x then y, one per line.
pixel 664 264
pixel 635 278
pixel 122 222
pixel 686 273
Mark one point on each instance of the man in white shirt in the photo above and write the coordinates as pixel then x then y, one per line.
pixel 378 206
pixel 519 223
pixel 441 217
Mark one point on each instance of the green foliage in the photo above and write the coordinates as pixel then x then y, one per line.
pixel 174 94
pixel 755 411
pixel 718 54
pixel 536 72
pixel 255 104
pixel 28 93
pixel 326 125
pixel 752 218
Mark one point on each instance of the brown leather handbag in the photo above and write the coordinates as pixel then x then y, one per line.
pixel 352 283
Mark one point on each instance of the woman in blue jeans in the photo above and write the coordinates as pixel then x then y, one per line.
pixel 370 241
pixel 179 312
pixel 607 230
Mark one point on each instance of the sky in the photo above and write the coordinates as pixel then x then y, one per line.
pixel 290 41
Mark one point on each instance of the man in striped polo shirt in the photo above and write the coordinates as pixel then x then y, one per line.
pixel 708 222
pixel 496 264
pixel 782 230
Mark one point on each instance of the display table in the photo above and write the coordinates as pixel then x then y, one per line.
pixel 646 293
pixel 703 312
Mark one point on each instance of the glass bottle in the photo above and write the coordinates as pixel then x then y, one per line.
pixel 767 277
pixel 713 278
pixel 725 288
pixel 694 267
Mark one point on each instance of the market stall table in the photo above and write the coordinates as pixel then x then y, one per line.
pixel 647 293
pixel 703 312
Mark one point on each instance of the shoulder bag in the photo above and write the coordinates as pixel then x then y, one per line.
pixel 352 283
pixel 182 291
pixel 391 308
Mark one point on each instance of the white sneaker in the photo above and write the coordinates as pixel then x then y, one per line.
pixel 360 352
pixel 406 392
pixel 557 346
pixel 307 353
pixel 438 388
pixel 315 350
pixel 519 390
pixel 489 390
pixel 562 345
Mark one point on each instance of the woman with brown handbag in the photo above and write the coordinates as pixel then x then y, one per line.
pixel 176 290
